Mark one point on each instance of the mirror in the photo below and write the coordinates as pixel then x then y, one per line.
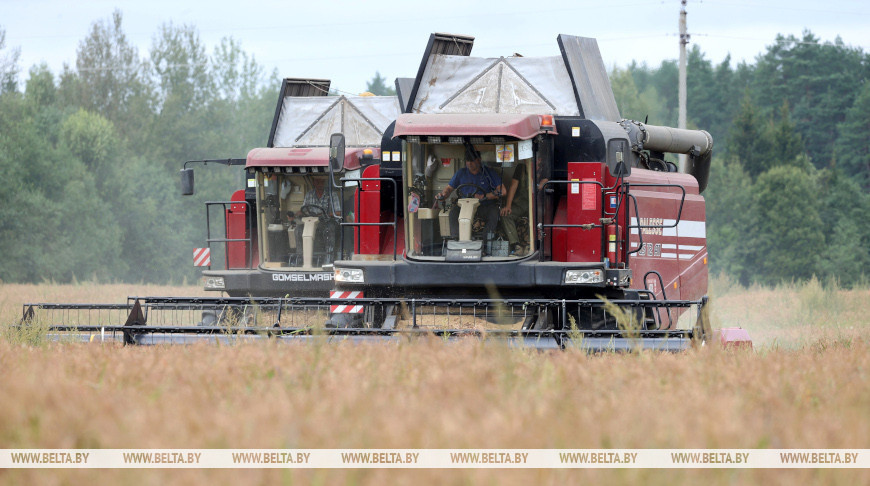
pixel 186 182
pixel 336 152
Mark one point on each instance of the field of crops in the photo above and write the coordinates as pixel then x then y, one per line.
pixel 806 385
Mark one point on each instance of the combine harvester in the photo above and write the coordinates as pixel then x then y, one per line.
pixel 571 229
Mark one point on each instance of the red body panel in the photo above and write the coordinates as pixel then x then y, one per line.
pixel 387 247
pixel 375 239
pixel 678 253
pixel 584 207
pixel 236 215
pixel 368 210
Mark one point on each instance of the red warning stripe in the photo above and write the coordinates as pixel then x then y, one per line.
pixel 346 309
pixel 202 257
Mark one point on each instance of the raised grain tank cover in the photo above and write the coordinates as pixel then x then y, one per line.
pixel 588 77
pixel 573 84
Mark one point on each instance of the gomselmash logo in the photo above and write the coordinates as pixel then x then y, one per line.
pixel 302 277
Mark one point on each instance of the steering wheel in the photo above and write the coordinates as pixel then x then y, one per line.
pixel 460 186
pixel 311 211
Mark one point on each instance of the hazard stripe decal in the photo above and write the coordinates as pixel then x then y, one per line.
pixel 202 257
pixel 346 309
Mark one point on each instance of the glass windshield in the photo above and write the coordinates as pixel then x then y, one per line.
pixel 299 228
pixel 469 202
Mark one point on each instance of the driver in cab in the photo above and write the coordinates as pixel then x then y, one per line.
pixel 318 197
pixel 477 181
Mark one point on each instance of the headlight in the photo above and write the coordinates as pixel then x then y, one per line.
pixel 215 283
pixel 352 275
pixel 584 276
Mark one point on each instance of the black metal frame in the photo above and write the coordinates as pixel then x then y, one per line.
pixel 136 330
pixel 356 224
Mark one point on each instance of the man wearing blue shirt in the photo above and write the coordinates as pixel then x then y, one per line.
pixel 485 185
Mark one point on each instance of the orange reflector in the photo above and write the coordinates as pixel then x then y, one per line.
pixel 675 284
pixel 546 121
pixel 705 260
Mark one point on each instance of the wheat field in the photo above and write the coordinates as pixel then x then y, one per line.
pixel 805 385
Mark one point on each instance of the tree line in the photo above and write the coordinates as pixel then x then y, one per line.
pixel 90 155
pixel 788 192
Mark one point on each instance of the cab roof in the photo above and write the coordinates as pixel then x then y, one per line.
pixel 520 126
pixel 303 157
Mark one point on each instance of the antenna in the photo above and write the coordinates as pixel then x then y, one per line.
pixel 684 39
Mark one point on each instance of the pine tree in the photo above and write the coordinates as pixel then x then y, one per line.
pixel 377 86
pixel 852 149
pixel 786 234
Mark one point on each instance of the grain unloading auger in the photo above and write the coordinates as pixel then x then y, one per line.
pixel 172 320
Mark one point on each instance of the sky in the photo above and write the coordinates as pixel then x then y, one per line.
pixel 348 41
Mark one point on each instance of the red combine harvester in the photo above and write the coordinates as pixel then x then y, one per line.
pixel 509 200
pixel 568 221
pixel 280 235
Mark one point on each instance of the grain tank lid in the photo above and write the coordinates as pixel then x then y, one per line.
pixel 309 121
pixel 588 77
pixel 520 126
pixel 462 84
pixel 303 157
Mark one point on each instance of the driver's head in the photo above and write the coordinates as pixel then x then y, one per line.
pixel 472 160
pixel 319 182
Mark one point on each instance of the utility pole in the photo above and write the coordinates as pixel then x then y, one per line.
pixel 684 39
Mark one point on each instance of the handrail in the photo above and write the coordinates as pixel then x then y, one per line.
pixel 355 223
pixel 209 240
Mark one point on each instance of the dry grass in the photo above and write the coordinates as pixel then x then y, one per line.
pixel 791 316
pixel 428 395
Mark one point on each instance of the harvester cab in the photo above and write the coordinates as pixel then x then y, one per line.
pixel 280 235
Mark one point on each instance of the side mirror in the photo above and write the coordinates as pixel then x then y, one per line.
pixel 620 170
pixel 186 182
pixel 336 152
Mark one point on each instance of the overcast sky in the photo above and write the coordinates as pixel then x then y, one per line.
pixel 347 41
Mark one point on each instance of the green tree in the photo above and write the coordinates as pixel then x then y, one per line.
pixel 627 97
pixel 235 74
pixel 846 225
pixel 820 81
pixel 786 236
pixel 39 89
pixel 111 76
pixel 747 141
pixel 181 65
pixel 852 150
pixel 787 145
pixel 8 66
pixel 378 86
pixel 729 198
pixel 92 139
pixel 53 221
